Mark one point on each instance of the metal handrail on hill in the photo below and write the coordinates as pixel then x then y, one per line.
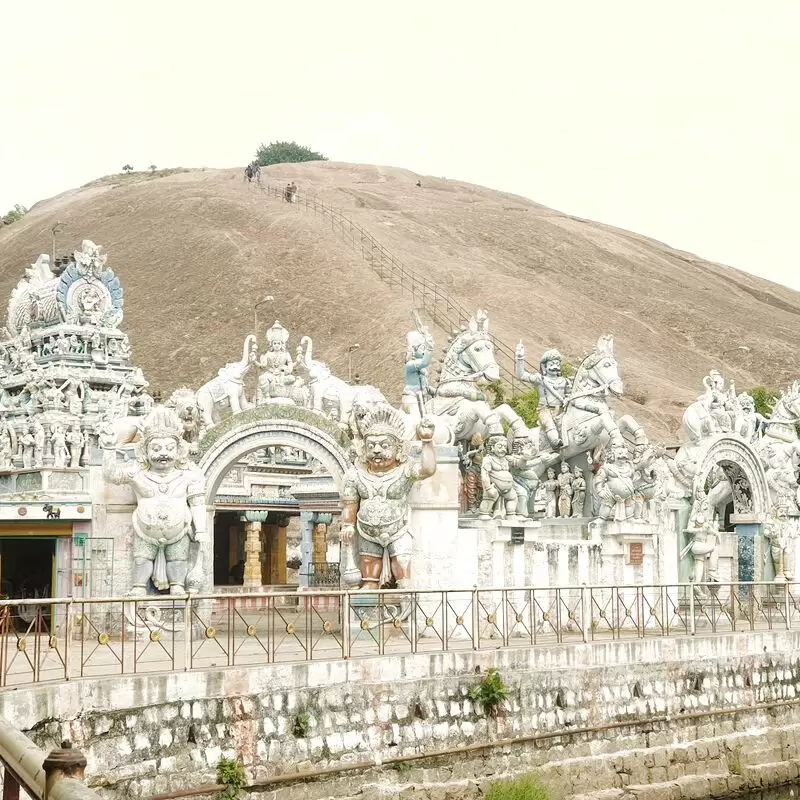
pixel 446 312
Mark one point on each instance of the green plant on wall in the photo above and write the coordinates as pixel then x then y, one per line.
pixel 491 692
pixel 526 788
pixel 301 723
pixel 230 775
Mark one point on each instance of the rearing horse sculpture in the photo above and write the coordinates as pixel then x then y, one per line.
pixel 458 405
pixel 588 423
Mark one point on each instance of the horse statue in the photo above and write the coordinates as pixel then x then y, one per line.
pixel 588 423
pixel 458 405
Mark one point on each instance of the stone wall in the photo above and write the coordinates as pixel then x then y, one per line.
pixel 149 734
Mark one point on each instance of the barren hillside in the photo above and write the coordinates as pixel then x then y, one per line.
pixel 195 250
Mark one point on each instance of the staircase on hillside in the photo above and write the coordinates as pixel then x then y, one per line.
pixel 446 312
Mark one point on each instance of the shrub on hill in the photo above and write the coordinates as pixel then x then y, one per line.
pixel 16 213
pixel 764 399
pixel 285 153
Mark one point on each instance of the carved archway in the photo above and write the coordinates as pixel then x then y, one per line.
pixel 743 470
pixel 266 426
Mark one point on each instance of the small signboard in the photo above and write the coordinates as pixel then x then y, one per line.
pixel 635 553
pixel 80 539
pixel 518 536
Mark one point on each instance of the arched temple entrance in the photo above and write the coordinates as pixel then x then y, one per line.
pixel 731 477
pixel 275 441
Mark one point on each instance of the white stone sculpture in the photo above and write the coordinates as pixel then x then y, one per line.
pixel 278 383
pixel 419 354
pixel 76 442
pixel 551 486
pixel 614 485
pixel 227 389
pixel 780 545
pixel 577 418
pixel 578 492
pixel 564 491
pixel 170 517
pixel 329 395
pixel 499 491
pixel 703 547
pixel 60 449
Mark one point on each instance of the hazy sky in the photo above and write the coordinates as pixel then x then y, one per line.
pixel 674 119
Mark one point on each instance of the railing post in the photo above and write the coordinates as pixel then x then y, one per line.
pixel 584 615
pixel 691 609
pixel 187 633
pixel 787 606
pixel 64 762
pixel 346 625
pixel 68 619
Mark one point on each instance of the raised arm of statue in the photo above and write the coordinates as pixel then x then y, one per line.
pixel 115 471
pixel 197 506
pixel 534 378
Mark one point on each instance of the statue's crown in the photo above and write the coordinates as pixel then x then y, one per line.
pixel 383 421
pixel 162 422
pixel 277 333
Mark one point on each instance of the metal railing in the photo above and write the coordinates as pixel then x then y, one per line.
pixel 446 312
pixel 65 638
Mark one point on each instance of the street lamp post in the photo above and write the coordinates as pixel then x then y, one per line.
pixel 350 361
pixel 268 299
pixel 57 228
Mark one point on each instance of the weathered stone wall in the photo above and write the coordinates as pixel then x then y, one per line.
pixel 149 734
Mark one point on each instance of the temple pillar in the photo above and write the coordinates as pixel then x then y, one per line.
pixel 306 545
pixel 252 555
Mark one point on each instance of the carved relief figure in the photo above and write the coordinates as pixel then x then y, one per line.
pixel 780 544
pixel 564 491
pixel 277 381
pixel 170 517
pixel 419 354
pixel 60 449
pixel 578 492
pixel 613 484
pixel 27 441
pixel 551 494
pixel 375 495
pixel 471 461
pixel 76 441
pixel 499 492
pixel 553 390
pixel 703 548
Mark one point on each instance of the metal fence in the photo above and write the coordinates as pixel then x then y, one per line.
pixel 442 308
pixel 61 639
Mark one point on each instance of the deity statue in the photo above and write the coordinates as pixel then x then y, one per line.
pixel 578 492
pixel 170 517
pixel 719 401
pixel 419 354
pixel 39 437
pixel 471 461
pixel 551 494
pixel 375 495
pixel 277 381
pixel 90 262
pixel 747 421
pixel 780 548
pixel 703 547
pixel 564 491
pixel 73 395
pixel 8 444
pixel 499 491
pixel 553 388
pixel 75 441
pixel 60 449
pixel 614 484
pixel 526 472
pixel 27 442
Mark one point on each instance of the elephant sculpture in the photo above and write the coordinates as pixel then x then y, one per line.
pixel 330 395
pixel 227 389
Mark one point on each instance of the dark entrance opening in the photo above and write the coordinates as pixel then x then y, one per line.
pixel 26 571
pixel 228 549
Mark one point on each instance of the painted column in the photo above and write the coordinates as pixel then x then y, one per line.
pixel 306 545
pixel 749 558
pixel 252 555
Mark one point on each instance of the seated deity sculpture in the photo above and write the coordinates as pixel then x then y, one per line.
pixel 375 495
pixel 278 383
pixel 169 522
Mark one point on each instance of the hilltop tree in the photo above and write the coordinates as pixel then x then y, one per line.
pixel 153 168
pixel 16 213
pixel 128 169
pixel 285 153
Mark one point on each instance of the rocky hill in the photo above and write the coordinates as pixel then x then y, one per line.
pixel 195 250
